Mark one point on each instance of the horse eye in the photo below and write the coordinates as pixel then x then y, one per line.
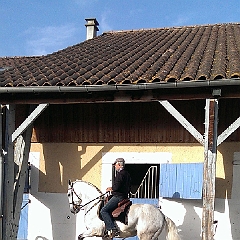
pixel 68 194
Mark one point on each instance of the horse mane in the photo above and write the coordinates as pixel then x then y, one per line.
pixel 90 184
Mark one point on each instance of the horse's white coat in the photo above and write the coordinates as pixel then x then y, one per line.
pixel 144 220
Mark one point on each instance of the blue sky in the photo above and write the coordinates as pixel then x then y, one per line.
pixel 39 27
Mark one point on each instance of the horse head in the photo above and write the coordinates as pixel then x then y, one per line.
pixel 74 199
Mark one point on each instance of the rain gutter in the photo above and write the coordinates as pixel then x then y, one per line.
pixel 121 87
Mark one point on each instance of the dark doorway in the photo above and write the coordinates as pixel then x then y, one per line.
pixel 145 178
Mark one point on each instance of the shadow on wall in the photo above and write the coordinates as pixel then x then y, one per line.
pixel 61 164
pixel 224 186
pixel 64 162
pixel 191 224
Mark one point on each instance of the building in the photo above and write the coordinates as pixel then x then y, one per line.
pixel 158 96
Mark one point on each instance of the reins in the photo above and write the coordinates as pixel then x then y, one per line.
pixel 82 206
pixel 79 206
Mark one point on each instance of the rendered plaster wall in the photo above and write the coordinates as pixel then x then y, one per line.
pixel 62 161
pixel 54 164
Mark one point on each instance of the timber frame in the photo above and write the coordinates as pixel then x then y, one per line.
pixel 15 149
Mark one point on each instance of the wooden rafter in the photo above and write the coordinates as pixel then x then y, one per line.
pixel 182 120
pixel 29 120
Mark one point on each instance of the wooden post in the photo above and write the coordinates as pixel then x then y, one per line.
pixel 1 171
pixel 8 174
pixel 22 148
pixel 210 153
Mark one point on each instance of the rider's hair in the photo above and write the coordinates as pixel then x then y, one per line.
pixel 121 162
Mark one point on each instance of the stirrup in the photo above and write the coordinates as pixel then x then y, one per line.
pixel 105 234
pixel 114 233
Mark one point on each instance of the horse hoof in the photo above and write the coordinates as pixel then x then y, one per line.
pixel 80 237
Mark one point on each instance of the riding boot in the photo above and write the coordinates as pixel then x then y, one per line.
pixel 114 233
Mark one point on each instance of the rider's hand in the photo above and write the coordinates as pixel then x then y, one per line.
pixel 109 189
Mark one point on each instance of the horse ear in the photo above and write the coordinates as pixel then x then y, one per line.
pixel 69 182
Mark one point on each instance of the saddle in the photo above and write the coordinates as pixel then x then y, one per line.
pixel 121 212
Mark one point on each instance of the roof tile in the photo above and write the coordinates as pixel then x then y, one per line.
pixel 185 53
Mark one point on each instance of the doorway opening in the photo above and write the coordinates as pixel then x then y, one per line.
pixel 145 180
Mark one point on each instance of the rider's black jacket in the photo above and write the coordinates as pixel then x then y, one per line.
pixel 122 184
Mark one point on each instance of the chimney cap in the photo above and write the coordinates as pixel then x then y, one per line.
pixel 92 22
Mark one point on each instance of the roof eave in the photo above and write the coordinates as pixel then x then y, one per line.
pixel 122 87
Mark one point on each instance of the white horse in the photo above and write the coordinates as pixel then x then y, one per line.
pixel 144 220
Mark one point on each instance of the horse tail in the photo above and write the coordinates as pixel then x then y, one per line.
pixel 171 229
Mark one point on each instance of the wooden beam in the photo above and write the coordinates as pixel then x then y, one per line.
pixel 225 134
pixel 22 148
pixel 8 175
pixel 210 153
pixel 183 121
pixel 1 170
pixel 29 120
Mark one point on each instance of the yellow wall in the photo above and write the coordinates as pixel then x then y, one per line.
pixel 62 161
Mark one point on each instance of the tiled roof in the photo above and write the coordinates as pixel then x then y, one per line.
pixel 186 53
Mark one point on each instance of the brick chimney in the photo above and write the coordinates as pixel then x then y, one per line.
pixel 92 28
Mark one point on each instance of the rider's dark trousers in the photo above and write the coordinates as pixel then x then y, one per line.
pixel 106 212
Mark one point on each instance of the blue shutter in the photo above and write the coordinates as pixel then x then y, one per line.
pixel 182 180
pixel 23 222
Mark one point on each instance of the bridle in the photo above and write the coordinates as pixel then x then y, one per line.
pixel 76 206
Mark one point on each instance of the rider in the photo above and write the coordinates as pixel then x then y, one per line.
pixel 119 190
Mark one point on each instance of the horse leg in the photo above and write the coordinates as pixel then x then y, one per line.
pixel 149 235
pixel 84 234
pixel 152 232
pixel 171 229
pixel 91 232
pixel 81 237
